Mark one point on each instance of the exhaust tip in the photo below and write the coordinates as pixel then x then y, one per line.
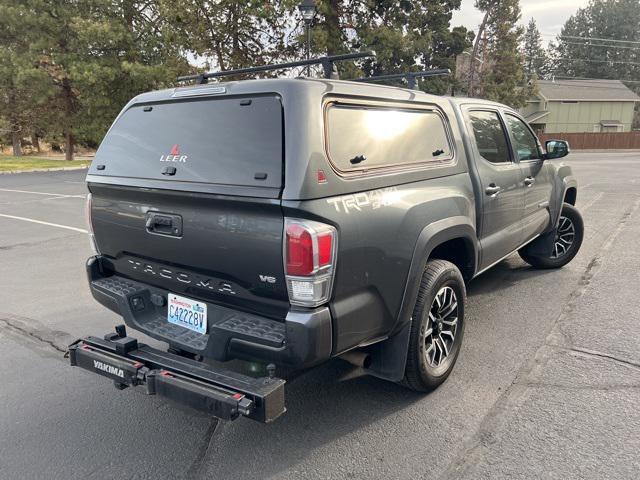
pixel 357 358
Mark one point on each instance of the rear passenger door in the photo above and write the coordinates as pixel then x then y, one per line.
pixel 535 177
pixel 502 195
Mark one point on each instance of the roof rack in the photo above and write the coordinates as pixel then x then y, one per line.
pixel 409 76
pixel 326 62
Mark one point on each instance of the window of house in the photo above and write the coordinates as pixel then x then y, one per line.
pixel 363 137
pixel 491 139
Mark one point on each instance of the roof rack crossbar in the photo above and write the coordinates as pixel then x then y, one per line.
pixel 326 62
pixel 409 76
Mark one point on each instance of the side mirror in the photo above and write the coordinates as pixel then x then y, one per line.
pixel 556 149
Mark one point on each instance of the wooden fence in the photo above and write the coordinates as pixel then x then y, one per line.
pixel 596 141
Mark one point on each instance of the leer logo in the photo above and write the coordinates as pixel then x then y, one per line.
pixel 174 155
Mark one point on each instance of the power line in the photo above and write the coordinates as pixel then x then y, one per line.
pixel 589 61
pixel 573 37
pixel 599 39
pixel 601 45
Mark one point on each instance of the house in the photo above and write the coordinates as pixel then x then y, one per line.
pixel 577 106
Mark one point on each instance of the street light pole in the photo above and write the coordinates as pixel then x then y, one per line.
pixel 308 26
pixel 308 10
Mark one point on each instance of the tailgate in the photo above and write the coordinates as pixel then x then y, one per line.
pixel 228 249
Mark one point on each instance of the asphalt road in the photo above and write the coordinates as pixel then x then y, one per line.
pixel 547 384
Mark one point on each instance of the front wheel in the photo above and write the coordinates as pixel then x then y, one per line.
pixel 567 241
pixel 437 326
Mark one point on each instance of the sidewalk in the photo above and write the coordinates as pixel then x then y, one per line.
pixel 574 411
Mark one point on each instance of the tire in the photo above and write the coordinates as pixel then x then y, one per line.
pixel 423 371
pixel 573 227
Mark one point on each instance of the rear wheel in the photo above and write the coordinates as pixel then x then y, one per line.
pixel 437 326
pixel 567 241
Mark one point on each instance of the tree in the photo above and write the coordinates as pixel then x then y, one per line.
pixel 93 55
pixel 228 33
pixel 408 35
pixel 501 77
pixel 598 42
pixel 536 60
pixel 23 89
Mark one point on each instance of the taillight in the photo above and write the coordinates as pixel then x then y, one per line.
pixel 309 258
pixel 89 221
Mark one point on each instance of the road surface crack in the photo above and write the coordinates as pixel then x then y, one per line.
pixel 595 388
pixel 195 468
pixel 607 356
pixel 37 332
pixel 33 244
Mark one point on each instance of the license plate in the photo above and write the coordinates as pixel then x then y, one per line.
pixel 187 313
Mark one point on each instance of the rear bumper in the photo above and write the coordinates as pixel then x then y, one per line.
pixel 304 339
pixel 222 394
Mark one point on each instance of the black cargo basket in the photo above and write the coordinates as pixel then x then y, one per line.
pixel 222 394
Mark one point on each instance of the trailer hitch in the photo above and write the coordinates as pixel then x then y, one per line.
pixel 220 393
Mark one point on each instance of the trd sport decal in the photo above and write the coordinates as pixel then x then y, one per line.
pixel 374 199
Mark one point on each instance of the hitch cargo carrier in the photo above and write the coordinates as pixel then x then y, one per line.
pixel 220 393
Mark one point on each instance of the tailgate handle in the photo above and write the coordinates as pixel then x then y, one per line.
pixel 164 224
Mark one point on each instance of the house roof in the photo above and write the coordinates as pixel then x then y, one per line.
pixel 532 117
pixel 594 90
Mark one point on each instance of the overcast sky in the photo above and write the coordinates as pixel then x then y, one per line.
pixel 550 15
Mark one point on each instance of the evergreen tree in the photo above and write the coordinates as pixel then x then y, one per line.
pixel 536 60
pixel 598 42
pixel 23 89
pixel 231 34
pixel 93 55
pixel 407 35
pixel 501 77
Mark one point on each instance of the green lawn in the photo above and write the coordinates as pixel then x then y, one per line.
pixel 9 163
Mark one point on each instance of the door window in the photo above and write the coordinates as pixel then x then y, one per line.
pixel 490 136
pixel 524 141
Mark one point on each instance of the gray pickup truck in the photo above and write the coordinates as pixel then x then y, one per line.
pixel 287 222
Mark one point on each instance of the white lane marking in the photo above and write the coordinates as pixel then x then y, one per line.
pixel 41 193
pixel 60 198
pixel 81 230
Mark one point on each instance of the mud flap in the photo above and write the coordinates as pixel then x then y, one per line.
pixel 543 245
pixel 389 358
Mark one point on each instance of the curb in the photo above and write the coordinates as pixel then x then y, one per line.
pixel 606 150
pixel 61 169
